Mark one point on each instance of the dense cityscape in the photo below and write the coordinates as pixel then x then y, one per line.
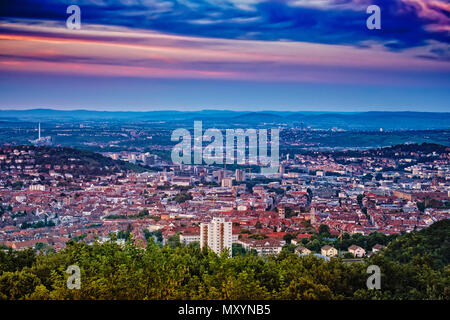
pixel 50 195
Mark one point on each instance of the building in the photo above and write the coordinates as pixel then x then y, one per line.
pixel 219 174
pixel 182 181
pixel 239 175
pixel 357 251
pixel 188 238
pixel 328 251
pixel 37 187
pixel 263 246
pixel 302 250
pixel 227 182
pixel 378 247
pixel 217 235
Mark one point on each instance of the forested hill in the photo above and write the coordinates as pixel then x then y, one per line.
pixel 413 267
pixel 397 151
pixel 432 242
pixel 64 160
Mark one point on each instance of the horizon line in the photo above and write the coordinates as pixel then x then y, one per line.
pixel 223 110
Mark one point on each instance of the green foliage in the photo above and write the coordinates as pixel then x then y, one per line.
pixel 433 242
pixel 43 247
pixel 360 198
pixel 156 234
pixel 289 247
pixel 415 266
pixel 174 241
pixel 278 191
pixel 182 197
pixel 17 185
pixel 289 236
pixel 347 255
pixel 39 224
pixel 80 237
pixel 237 249
pixel 124 234
pixel 289 212
pixel 366 242
pixel 258 236
pixel 421 206
pixel 12 260
pixel 19 214
pixel 140 215
pixel 324 230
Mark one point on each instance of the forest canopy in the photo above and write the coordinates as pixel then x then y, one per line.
pixel 414 266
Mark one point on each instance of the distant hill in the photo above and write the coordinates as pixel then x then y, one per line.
pixel 320 120
pixel 413 147
pixel 258 118
pixel 376 120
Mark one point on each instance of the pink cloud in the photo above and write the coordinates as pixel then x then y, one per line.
pixel 118 51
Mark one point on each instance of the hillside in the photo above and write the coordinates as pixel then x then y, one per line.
pixel 432 242
pixel 65 160
pixel 376 120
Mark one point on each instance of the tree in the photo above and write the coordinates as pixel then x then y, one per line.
pixel 310 194
pixel 421 206
pixel 288 237
pixel 360 198
pixel 258 236
pixel 174 241
pixel 324 230
pixel 414 266
pixel 237 249
pixel 182 197
pixel 289 212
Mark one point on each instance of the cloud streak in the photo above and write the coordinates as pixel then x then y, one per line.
pixel 119 51
pixel 406 23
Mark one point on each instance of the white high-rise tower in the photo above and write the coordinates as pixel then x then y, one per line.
pixel 217 235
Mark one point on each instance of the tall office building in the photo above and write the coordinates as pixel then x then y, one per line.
pixel 239 175
pixel 219 174
pixel 217 235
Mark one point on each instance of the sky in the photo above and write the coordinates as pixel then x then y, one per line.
pixel 311 55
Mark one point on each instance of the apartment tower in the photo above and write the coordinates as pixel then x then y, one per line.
pixel 217 235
